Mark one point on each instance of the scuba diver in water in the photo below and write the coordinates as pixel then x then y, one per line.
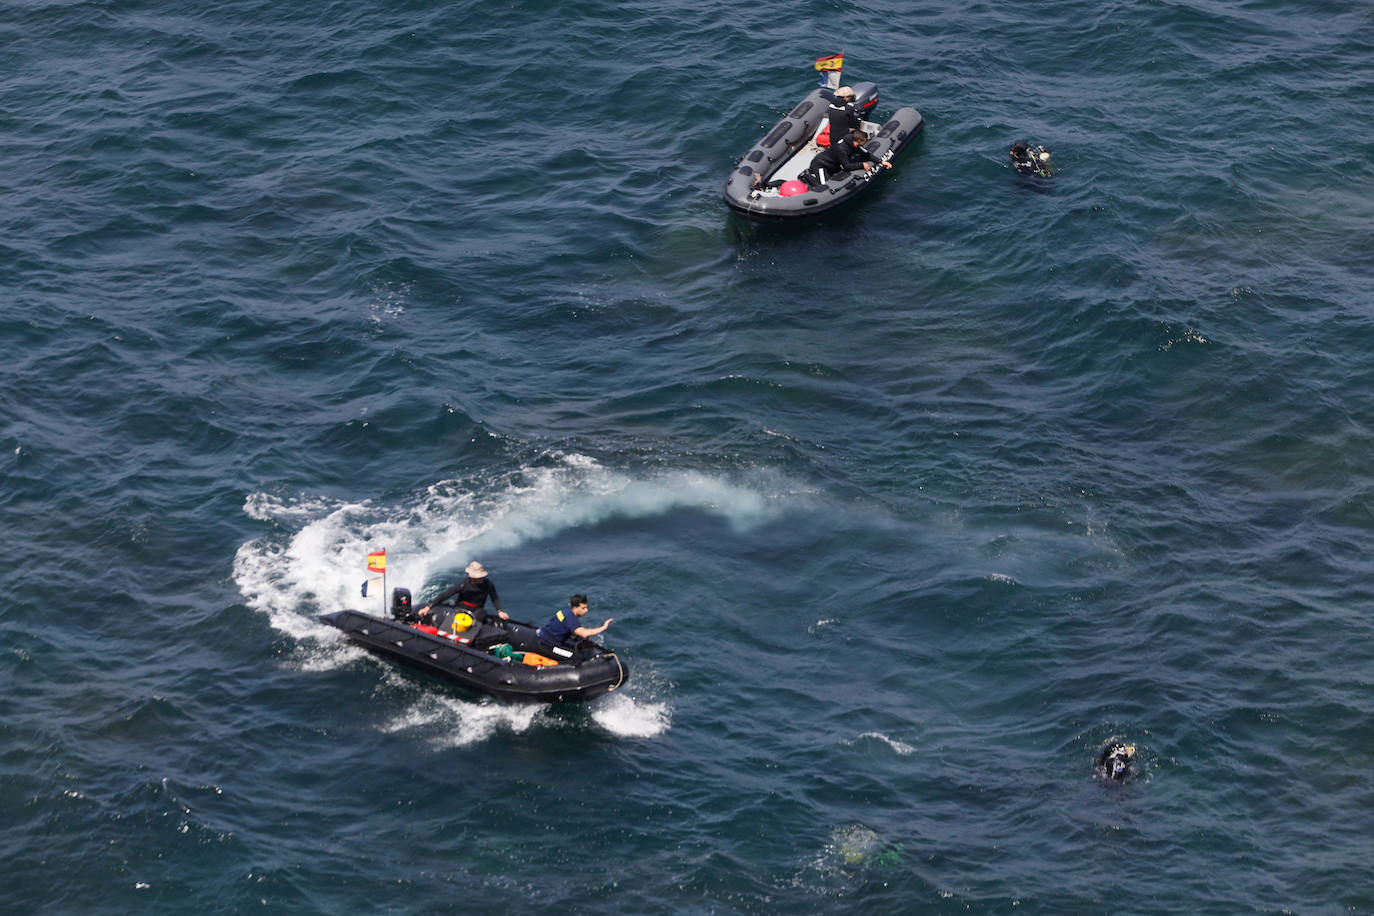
pixel 1029 160
pixel 1115 760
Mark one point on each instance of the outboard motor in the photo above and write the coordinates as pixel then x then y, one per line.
pixel 400 605
pixel 865 99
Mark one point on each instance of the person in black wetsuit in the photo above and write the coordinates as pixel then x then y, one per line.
pixel 843 113
pixel 1115 760
pixel 473 592
pixel 846 154
pixel 1031 161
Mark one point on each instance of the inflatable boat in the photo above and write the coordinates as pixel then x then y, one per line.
pixel 787 150
pixel 503 658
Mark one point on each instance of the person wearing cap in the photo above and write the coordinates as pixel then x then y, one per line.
pixel 473 592
pixel 847 154
pixel 843 113
pixel 562 628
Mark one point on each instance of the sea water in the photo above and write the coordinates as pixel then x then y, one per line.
pixel 901 515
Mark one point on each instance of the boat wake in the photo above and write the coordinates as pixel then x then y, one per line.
pixel 626 717
pixel 312 560
pixel 443 720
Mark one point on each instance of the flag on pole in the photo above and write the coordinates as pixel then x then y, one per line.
pixel 830 67
pixel 376 585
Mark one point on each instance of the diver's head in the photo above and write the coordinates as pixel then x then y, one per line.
pixel 1116 760
pixel 1020 149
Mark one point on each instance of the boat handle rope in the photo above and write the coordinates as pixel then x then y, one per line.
pixel 619 667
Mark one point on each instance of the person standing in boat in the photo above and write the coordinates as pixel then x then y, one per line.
pixel 562 628
pixel 847 154
pixel 843 113
pixel 473 592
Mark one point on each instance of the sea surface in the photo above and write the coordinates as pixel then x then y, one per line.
pixel 901 515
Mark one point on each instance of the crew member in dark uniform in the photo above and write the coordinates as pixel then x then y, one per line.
pixel 473 592
pixel 563 629
pixel 846 154
pixel 843 113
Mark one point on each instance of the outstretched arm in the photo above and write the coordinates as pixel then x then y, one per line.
pixel 864 153
pixel 433 601
pixel 584 632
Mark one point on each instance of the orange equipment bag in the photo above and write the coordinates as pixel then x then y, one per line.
pixel 536 660
pixel 426 628
pixel 823 138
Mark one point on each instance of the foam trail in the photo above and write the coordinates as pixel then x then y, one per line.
pixel 444 721
pixel 630 718
pixel 320 566
pixel 558 501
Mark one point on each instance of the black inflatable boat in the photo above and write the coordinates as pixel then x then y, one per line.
pixel 503 658
pixel 787 149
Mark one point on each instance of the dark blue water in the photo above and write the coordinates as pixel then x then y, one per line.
pixel 901 515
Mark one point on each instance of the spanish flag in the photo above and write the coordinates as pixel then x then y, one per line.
pixel 376 561
pixel 830 67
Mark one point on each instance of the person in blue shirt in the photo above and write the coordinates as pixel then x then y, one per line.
pixel 563 629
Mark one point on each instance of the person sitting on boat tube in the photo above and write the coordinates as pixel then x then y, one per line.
pixel 562 629
pixel 473 592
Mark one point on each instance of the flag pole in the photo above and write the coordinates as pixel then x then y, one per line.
pixel 376 562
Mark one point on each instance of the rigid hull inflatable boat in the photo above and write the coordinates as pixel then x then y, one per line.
pixel 787 150
pixel 503 658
